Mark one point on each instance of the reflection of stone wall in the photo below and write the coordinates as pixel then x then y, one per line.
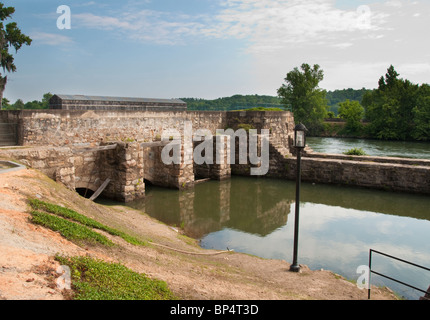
pixel 265 213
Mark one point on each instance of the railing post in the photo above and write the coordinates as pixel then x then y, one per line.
pixel 370 272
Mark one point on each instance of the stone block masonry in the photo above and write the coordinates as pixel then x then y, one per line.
pixel 76 168
pixel 53 142
pixel 391 174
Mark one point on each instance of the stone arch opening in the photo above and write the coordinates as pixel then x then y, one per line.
pixel 85 192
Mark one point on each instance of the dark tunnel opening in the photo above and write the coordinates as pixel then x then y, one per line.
pixel 85 192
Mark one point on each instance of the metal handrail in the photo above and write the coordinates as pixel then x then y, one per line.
pixel 390 278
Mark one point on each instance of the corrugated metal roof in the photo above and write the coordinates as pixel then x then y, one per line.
pixel 119 99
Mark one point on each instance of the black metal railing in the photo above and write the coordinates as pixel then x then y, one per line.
pixel 391 278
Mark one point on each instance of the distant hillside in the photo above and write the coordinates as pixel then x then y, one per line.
pixel 337 96
pixel 236 102
pixel 239 102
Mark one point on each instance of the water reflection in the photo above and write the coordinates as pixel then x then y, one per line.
pixel 255 208
pixel 338 225
pixel 260 206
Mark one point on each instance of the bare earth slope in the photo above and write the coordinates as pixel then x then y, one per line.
pixel 28 268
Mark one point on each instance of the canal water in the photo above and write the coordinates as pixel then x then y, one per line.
pixel 338 225
pixel 420 150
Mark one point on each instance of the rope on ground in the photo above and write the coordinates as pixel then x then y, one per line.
pixel 194 253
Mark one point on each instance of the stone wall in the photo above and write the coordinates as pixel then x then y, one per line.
pixel 57 163
pixel 124 166
pixel 88 169
pixel 354 171
pixel 72 127
pixel 173 175
pixel 65 130
pixel 219 167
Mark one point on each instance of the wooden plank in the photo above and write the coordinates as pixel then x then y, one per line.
pixel 100 190
pixel 95 149
pixel 158 143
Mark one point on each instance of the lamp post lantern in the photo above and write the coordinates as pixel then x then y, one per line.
pixel 299 144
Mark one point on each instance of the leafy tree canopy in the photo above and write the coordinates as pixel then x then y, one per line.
pixel 389 108
pixel 10 36
pixel 308 101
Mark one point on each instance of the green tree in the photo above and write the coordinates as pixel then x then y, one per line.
pixel 5 103
pixel 421 115
pixel 307 100
pixel 353 113
pixel 45 100
pixel 389 108
pixel 18 105
pixel 10 36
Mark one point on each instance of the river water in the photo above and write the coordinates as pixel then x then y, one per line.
pixel 338 225
pixel 380 148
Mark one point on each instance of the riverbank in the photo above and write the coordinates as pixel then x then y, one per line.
pixel 28 268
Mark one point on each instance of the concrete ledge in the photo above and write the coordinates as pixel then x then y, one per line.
pixel 11 166
pixel 412 177
pixel 392 160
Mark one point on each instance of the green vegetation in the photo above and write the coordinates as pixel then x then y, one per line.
pixel 307 100
pixel 69 229
pixel 355 152
pixel 35 104
pixel 334 98
pixel 398 109
pixel 94 279
pixel 263 109
pixel 245 126
pixel 236 102
pixel 11 37
pixel 352 112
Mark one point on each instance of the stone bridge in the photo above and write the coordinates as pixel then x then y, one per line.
pixel 116 145
pixel 84 142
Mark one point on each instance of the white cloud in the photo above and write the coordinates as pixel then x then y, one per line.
pixel 266 23
pixel 101 22
pixel 354 46
pixel 269 24
pixel 50 38
pixel 144 25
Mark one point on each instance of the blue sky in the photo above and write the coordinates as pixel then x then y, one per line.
pixel 217 48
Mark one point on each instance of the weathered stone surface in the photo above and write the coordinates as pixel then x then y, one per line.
pixel 76 156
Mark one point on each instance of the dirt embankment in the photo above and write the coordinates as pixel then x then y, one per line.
pixel 28 268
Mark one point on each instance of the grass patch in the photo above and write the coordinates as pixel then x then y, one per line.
pixel 85 221
pixel 355 152
pixel 263 109
pixel 99 280
pixel 68 229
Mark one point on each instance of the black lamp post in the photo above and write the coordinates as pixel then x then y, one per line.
pixel 299 144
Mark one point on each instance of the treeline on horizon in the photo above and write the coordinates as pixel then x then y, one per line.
pixel 19 104
pixel 243 102
pixel 235 102
pixel 396 110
